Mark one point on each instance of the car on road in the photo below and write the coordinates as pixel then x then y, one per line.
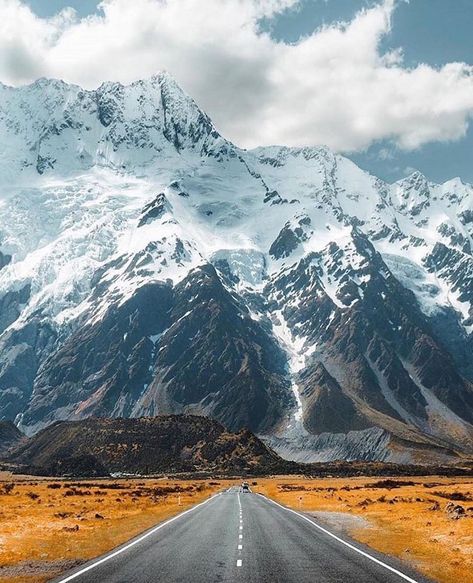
pixel 245 487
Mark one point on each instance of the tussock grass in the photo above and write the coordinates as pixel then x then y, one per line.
pixel 413 520
pixel 49 526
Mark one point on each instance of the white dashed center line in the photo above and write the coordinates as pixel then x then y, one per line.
pixel 240 536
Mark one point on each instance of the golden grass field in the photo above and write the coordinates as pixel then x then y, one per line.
pixel 409 521
pixel 48 526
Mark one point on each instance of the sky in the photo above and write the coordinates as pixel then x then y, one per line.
pixel 387 82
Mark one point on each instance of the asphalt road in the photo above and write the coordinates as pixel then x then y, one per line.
pixel 236 537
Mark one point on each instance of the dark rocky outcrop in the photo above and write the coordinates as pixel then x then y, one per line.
pixel 5 259
pixel 176 443
pixel 103 366
pixel 216 359
pixel 327 408
pixel 22 349
pixel 154 210
pixel 10 436
pixel 10 306
pixel 289 238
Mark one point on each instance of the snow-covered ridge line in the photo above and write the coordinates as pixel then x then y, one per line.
pixel 410 216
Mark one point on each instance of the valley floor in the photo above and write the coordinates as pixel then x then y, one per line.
pixel 49 526
pixel 411 518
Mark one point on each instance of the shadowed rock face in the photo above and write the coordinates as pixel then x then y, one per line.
pixel 327 408
pixel 189 348
pixel 10 436
pixel 232 369
pixel 10 306
pixel 149 266
pixel 22 350
pixel 289 238
pixel 378 361
pixel 101 369
pixel 4 260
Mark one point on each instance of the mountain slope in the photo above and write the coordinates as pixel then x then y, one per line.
pixel 149 266
pixel 10 436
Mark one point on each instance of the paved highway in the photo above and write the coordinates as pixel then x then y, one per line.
pixel 235 537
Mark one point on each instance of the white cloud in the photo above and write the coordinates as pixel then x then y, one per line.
pixel 333 87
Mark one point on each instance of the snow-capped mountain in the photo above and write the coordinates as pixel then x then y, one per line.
pixel 148 265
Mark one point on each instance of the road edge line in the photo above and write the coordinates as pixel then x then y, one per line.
pixel 135 541
pixel 340 540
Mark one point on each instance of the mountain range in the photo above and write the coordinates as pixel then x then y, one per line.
pixel 149 266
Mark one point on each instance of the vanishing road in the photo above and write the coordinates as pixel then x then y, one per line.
pixel 235 537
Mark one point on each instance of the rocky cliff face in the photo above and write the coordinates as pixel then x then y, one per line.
pixel 10 436
pixel 148 266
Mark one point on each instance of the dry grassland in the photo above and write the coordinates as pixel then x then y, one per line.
pixel 47 527
pixel 425 521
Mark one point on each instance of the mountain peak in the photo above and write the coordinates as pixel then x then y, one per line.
pixel 51 124
pixel 155 81
pixel 49 82
pixel 457 183
pixel 414 178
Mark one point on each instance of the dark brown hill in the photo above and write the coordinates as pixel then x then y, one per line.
pixel 165 444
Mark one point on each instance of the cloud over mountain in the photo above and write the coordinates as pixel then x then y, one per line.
pixel 335 86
